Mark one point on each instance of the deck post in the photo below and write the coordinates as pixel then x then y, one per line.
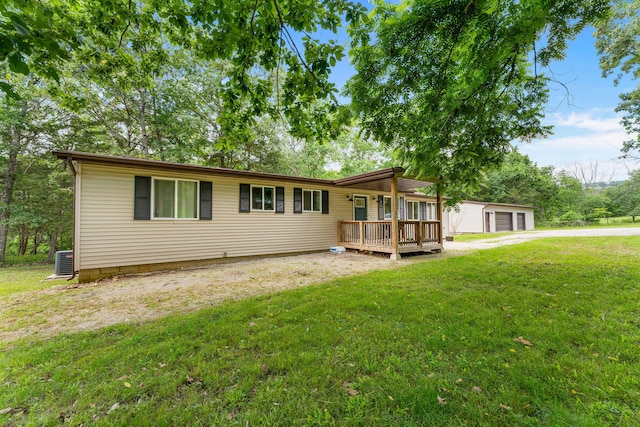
pixel 439 213
pixel 361 225
pixel 395 255
pixel 419 234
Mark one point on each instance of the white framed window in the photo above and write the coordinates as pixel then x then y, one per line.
pixel 175 198
pixel 413 210
pixel 263 198
pixel 387 207
pixel 311 201
pixel 431 211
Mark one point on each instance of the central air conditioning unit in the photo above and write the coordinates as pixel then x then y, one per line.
pixel 64 263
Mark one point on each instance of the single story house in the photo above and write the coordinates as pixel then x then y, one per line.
pixel 481 217
pixel 137 215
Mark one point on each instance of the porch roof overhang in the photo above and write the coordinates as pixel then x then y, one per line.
pixel 381 181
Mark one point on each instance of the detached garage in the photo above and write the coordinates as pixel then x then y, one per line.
pixel 482 217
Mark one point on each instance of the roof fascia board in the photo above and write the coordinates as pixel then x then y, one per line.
pixel 100 159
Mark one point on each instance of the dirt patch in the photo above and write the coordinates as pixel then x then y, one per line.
pixel 69 308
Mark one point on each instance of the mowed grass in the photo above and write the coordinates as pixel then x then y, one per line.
pixel 482 236
pixel 546 332
pixel 24 278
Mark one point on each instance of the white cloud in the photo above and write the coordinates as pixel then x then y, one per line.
pixel 592 121
pixel 582 138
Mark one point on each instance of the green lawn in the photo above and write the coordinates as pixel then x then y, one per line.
pixel 24 278
pixel 433 343
pixel 481 236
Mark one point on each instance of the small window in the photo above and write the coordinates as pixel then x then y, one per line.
pixel 413 210
pixel 431 212
pixel 175 199
pixel 311 200
pixel 263 198
pixel 387 207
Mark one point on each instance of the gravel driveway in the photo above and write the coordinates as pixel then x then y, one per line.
pixel 525 236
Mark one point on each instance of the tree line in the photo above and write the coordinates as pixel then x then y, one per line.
pixel 576 195
pixel 176 126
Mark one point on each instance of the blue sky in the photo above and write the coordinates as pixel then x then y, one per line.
pixel 586 127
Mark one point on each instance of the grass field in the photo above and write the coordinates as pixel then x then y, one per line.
pixel 480 236
pixel 546 332
pixel 25 278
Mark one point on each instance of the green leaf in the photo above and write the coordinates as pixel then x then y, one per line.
pixel 8 89
pixel 19 26
pixel 17 64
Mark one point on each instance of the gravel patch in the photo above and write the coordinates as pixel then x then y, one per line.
pixel 139 298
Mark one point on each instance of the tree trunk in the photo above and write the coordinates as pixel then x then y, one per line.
pixel 24 239
pixel 143 123
pixel 36 243
pixel 7 194
pixel 52 246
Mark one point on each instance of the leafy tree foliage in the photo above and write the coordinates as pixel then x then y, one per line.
pixel 520 181
pixel 356 154
pixel 569 192
pixel 452 83
pixel 618 44
pixel 35 36
pixel 625 198
pixel 257 37
pixel 30 190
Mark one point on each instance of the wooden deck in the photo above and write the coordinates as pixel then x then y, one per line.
pixel 376 236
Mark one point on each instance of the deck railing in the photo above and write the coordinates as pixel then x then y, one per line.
pixel 376 235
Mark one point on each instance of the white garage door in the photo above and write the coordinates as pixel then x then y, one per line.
pixel 504 221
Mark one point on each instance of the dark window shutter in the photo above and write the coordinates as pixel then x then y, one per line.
pixel 401 209
pixel 423 211
pixel 206 196
pixel 297 200
pixel 279 199
pixel 380 207
pixel 245 198
pixel 325 201
pixel 142 198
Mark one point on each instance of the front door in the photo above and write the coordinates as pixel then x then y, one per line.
pixel 360 208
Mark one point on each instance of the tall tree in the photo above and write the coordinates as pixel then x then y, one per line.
pixel 625 197
pixel 570 191
pixel 452 83
pixel 29 127
pixel 519 180
pixel 618 44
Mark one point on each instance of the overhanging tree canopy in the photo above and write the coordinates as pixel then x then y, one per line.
pixel 618 44
pixel 451 83
pixel 258 37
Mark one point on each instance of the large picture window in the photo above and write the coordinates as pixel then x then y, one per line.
pixel 175 199
pixel 311 201
pixel 263 198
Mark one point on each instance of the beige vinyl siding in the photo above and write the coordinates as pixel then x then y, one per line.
pixel 108 236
